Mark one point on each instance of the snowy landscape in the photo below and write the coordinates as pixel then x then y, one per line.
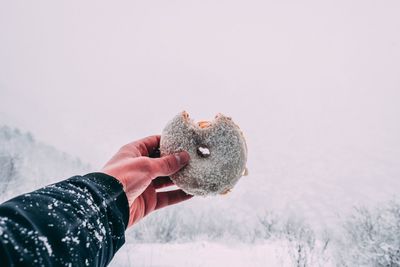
pixel 315 87
pixel 231 229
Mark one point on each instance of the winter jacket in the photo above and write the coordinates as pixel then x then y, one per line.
pixel 80 221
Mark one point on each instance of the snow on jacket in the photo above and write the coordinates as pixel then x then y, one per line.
pixel 80 221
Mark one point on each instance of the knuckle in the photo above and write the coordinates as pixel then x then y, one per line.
pixel 122 149
pixel 130 150
pixel 125 148
pixel 146 165
pixel 141 147
pixel 170 164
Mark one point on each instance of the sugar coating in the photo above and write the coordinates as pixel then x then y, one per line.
pixel 224 165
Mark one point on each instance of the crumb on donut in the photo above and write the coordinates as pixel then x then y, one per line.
pixel 203 151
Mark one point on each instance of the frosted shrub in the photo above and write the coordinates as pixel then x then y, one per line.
pixel 26 164
pixel 269 225
pixel 159 228
pixel 181 224
pixel 372 237
pixel 300 241
pixel 8 172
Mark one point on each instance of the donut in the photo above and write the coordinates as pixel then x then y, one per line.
pixel 218 153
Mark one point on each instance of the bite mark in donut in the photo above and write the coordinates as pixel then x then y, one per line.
pixel 204 124
pixel 217 149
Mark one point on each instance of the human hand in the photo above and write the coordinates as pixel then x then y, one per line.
pixel 141 172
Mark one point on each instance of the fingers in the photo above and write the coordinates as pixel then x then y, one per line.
pixel 161 182
pixel 145 146
pixel 150 143
pixel 170 164
pixel 171 197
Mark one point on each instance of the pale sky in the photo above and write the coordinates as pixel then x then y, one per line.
pixel 89 76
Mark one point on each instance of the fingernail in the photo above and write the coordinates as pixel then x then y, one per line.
pixel 182 158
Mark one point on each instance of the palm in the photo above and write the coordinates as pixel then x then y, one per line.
pixel 131 166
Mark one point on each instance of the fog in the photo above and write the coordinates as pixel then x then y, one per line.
pixel 90 76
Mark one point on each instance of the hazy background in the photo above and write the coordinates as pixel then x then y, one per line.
pixel 89 76
pixel 315 86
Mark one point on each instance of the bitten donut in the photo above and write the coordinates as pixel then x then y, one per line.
pixel 218 153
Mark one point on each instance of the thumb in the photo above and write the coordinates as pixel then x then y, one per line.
pixel 170 164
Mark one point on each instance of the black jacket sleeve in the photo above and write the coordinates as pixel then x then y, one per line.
pixel 77 222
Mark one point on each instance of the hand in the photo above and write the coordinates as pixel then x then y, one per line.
pixel 141 172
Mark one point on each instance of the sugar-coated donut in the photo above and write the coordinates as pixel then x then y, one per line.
pixel 217 149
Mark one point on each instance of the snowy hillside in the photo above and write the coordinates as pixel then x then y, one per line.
pixel 26 164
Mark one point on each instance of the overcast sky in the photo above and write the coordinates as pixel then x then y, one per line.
pixel 89 76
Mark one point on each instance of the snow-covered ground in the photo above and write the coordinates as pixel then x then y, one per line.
pixel 204 254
